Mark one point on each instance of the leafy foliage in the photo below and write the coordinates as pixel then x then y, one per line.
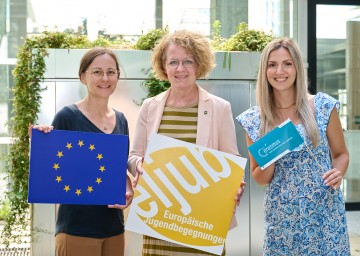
pixel 26 105
pixel 249 40
pixel 153 85
pixel 148 41
pixel 4 209
pixel 216 39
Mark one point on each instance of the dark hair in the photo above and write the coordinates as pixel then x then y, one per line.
pixel 89 57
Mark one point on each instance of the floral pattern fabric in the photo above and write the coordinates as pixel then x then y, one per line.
pixel 302 215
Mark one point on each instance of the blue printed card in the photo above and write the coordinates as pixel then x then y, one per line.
pixel 276 144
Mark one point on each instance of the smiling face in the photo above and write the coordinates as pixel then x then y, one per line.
pixel 180 72
pixel 281 71
pixel 101 76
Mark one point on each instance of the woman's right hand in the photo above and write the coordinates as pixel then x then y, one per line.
pixel 139 172
pixel 41 127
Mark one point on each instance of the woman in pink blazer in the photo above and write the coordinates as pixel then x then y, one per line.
pixel 185 112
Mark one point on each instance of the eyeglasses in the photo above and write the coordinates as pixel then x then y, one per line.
pixel 100 73
pixel 187 63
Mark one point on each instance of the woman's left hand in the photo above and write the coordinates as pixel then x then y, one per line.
pixel 240 192
pixel 333 178
pixel 129 197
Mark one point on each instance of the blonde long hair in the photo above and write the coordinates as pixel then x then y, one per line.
pixel 265 94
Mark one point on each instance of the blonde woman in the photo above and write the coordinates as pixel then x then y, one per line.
pixel 304 207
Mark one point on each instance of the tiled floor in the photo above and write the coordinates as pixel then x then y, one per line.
pixel 353 218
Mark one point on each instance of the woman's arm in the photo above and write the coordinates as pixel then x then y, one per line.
pixel 262 177
pixel 339 152
pixel 227 135
pixel 139 145
pixel 228 144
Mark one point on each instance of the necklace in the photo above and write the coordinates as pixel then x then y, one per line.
pixel 98 118
pixel 105 126
pixel 107 121
pixel 285 107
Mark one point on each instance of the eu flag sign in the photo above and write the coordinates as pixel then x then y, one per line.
pixel 70 167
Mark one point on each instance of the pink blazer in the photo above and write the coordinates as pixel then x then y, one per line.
pixel 215 128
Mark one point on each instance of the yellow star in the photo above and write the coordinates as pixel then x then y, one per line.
pixel 67 188
pixel 81 143
pixel 56 166
pixel 60 154
pixel 98 180
pixel 102 168
pixel 90 189
pixel 92 147
pixel 78 192
pixel 99 156
pixel 68 145
pixel 58 179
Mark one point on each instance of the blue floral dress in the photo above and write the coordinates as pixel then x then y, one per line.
pixel 302 215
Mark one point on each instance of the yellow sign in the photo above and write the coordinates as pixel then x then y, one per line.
pixel 186 194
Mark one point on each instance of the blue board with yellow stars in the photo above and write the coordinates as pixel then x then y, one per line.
pixel 70 167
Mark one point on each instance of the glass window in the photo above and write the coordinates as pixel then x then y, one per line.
pixel 338 74
pixel 280 17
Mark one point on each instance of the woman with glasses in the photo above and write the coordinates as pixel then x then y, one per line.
pixel 185 111
pixel 92 230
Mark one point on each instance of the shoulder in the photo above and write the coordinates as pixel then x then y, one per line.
pixel 324 101
pixel 218 99
pixel 249 116
pixel 120 116
pixel 250 121
pixel 154 99
pixel 206 96
pixel 68 111
pixel 66 117
pixel 122 125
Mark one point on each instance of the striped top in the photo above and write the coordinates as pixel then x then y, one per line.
pixel 180 123
pixel 177 123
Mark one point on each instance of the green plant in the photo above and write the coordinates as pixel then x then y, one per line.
pixel 148 41
pixel 4 210
pixel 153 85
pixel 216 39
pixel 249 40
pixel 28 75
